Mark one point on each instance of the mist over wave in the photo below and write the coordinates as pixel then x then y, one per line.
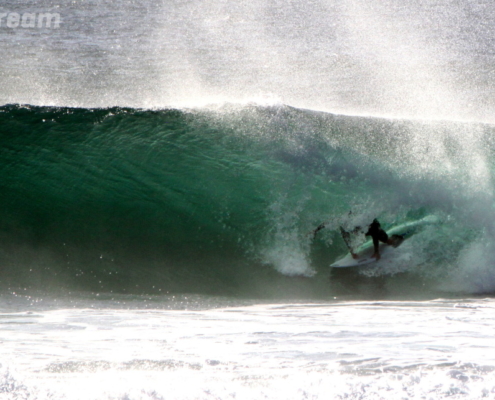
pixel 223 200
pixel 387 57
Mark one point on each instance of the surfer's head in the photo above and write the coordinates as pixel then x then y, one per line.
pixel 375 224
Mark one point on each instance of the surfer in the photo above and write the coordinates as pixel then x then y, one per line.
pixel 374 230
pixel 379 235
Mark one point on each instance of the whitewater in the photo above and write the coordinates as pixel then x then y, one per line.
pixel 165 164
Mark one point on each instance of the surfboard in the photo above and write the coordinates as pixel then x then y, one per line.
pixel 365 251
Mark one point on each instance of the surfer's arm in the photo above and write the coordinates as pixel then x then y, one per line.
pixel 320 227
pixel 347 240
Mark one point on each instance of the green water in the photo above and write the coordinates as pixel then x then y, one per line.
pixel 217 200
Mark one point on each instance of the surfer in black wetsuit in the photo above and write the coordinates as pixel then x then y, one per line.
pixel 379 235
pixel 374 230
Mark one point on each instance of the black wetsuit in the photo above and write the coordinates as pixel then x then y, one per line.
pixel 377 234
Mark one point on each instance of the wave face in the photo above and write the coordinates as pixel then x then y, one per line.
pixel 221 201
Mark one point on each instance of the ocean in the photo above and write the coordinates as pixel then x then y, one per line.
pixel 164 166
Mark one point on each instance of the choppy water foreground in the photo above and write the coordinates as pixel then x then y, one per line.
pixel 212 348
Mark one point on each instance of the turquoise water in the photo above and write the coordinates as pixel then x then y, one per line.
pixel 223 201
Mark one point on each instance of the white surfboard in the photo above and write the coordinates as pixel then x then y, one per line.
pixel 365 251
